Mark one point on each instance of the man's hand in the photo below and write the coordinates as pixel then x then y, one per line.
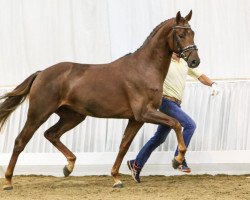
pixel 215 90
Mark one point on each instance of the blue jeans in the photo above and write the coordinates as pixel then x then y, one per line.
pixel 174 110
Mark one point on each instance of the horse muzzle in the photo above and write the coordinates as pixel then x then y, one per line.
pixel 190 55
pixel 193 63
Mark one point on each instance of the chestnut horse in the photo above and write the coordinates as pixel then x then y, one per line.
pixel 129 88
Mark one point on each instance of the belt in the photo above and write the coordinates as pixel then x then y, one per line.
pixel 172 99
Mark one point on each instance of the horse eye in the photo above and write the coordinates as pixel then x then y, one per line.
pixel 181 36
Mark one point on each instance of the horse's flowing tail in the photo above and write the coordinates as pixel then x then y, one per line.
pixel 14 98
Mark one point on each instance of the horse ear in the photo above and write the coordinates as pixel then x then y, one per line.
pixel 178 17
pixel 189 16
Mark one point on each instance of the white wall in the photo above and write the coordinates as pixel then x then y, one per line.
pixel 37 34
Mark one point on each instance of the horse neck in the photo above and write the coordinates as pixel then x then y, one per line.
pixel 156 52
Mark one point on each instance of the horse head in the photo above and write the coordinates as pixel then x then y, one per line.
pixel 181 40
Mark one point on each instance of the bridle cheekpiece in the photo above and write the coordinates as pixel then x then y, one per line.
pixel 181 51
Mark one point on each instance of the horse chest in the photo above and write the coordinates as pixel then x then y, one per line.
pixel 154 93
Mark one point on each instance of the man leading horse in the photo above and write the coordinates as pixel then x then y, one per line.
pixel 129 87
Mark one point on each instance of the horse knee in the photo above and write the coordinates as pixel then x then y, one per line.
pixel 177 126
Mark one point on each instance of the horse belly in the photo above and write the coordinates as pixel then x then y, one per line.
pixel 108 106
pixel 107 109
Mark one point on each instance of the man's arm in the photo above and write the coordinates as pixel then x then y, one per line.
pixel 205 80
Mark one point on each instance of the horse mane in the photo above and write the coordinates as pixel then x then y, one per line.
pixel 151 35
pixel 155 30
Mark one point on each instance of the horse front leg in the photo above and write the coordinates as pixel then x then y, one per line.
pixel 132 128
pixel 157 117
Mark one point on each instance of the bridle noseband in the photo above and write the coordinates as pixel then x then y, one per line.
pixel 180 51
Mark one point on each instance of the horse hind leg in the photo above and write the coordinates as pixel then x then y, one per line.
pixel 68 120
pixel 31 125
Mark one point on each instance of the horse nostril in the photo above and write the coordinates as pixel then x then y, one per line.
pixel 193 63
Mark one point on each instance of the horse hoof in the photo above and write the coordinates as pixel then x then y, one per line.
pixel 175 163
pixel 118 185
pixel 7 187
pixel 66 171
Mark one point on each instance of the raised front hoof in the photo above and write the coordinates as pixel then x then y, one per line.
pixel 7 187
pixel 66 171
pixel 118 185
pixel 175 163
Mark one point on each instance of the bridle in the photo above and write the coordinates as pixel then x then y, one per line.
pixel 181 51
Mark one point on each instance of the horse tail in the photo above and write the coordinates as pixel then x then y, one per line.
pixel 14 98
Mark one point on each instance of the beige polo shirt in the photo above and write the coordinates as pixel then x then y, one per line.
pixel 175 81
